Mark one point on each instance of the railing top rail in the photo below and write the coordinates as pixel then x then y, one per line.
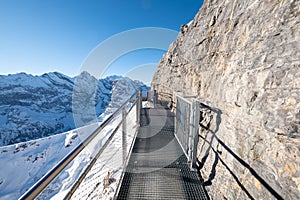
pixel 165 93
pixel 188 99
pixel 43 182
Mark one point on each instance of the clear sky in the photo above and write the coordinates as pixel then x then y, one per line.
pixel 39 36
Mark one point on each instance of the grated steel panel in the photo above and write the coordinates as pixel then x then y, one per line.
pixel 160 184
pixel 158 168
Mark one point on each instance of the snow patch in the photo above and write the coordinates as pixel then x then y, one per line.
pixel 188 24
pixel 147 104
pixel 70 138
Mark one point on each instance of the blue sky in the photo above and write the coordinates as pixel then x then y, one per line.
pixel 39 36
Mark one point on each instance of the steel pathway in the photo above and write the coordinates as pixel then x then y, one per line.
pixel 157 168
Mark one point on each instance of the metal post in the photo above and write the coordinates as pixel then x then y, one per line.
pixel 194 133
pixel 148 95
pixel 190 132
pixel 155 98
pixel 176 118
pixel 138 107
pixel 174 101
pixel 124 139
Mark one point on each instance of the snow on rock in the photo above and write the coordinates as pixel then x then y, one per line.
pixel 147 104
pixel 70 137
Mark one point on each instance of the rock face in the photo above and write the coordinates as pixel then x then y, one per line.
pixel 243 59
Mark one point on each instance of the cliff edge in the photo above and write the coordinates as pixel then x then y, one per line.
pixel 243 59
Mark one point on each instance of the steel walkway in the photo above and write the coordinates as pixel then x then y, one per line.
pixel 157 168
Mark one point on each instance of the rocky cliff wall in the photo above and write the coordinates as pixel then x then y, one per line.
pixel 243 59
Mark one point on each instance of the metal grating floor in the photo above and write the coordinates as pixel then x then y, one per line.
pixel 157 167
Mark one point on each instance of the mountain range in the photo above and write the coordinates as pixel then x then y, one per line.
pixel 33 107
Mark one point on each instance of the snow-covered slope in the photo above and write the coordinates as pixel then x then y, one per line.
pixel 24 163
pixel 33 107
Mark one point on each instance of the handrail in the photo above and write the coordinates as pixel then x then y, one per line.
pixel 38 187
pixel 91 164
pixel 127 159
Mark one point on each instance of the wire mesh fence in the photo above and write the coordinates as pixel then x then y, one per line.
pixel 105 153
pixel 186 126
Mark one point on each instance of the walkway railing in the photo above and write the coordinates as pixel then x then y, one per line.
pixel 186 127
pixel 133 103
pixel 187 110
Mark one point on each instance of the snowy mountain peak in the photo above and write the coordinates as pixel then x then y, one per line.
pixel 33 107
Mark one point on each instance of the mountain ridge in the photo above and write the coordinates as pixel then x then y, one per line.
pixel 35 106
